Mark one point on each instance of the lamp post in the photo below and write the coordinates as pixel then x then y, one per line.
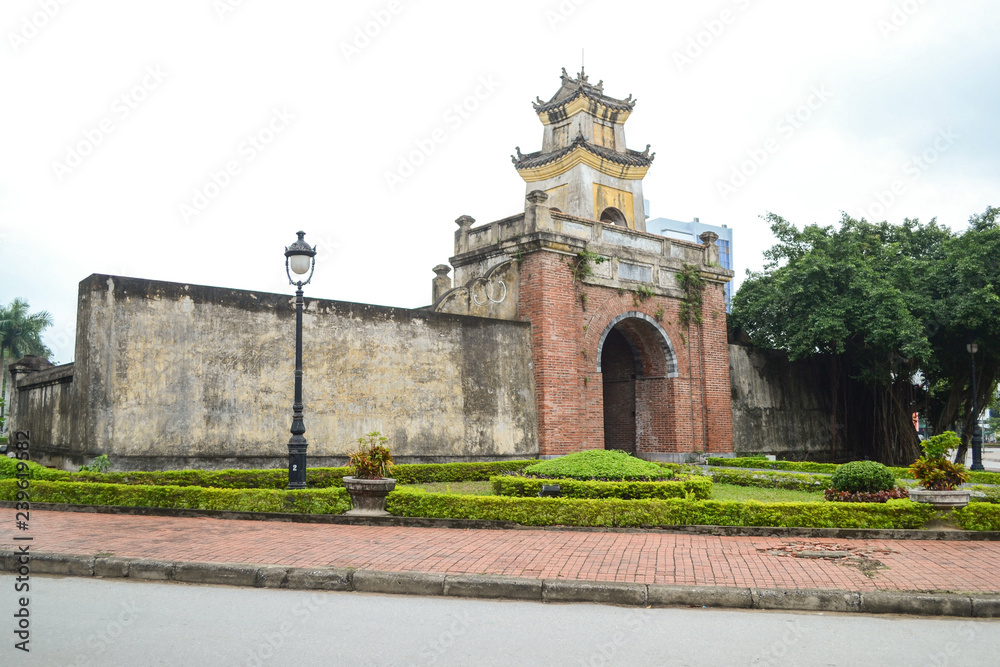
pixel 300 258
pixel 977 435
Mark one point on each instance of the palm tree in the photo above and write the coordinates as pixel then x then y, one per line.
pixel 20 334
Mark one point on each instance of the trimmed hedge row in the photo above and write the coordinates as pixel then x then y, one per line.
pixel 979 477
pixel 527 487
pixel 978 516
pixel 673 511
pixel 319 501
pixel 770 480
pixel 276 478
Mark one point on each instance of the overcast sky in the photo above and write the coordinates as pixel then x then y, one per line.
pixel 189 140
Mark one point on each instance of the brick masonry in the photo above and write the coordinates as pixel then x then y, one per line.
pixel 676 412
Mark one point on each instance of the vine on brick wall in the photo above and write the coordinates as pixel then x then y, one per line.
pixel 693 285
pixel 583 264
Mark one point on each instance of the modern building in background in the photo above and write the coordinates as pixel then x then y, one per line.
pixel 690 231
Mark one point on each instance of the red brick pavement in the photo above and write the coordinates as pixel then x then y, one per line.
pixel 912 565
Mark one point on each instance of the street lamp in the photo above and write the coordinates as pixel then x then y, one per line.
pixel 977 435
pixel 300 258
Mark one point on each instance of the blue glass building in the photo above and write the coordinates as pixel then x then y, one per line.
pixel 689 231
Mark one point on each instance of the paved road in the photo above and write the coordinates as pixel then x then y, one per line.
pixel 82 622
pixel 755 562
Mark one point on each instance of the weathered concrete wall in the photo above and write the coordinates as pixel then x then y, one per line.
pixel 780 407
pixel 172 375
pixel 43 406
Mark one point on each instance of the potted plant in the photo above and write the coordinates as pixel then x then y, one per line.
pixel 938 476
pixel 369 482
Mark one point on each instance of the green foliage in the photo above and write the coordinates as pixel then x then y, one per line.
pixel 863 476
pixel 764 495
pixel 99 464
pixel 977 516
pixel 763 462
pixel 9 470
pixel 372 460
pixel 584 262
pixel 937 446
pixel 977 477
pixel 275 478
pixel 693 285
pixel 670 512
pixel 692 487
pixel 599 464
pixel 309 501
pixel 933 470
pixel 770 480
pixel 985 494
pixel 878 302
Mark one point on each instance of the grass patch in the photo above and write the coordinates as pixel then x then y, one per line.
pixel 459 488
pixel 730 492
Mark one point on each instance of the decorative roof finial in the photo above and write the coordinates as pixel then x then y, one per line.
pixel 564 74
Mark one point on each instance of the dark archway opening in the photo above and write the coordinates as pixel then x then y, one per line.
pixel 618 364
pixel 613 216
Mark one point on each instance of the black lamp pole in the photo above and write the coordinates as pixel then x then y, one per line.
pixel 977 435
pixel 299 258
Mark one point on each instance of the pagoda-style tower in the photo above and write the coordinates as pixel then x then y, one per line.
pixel 584 166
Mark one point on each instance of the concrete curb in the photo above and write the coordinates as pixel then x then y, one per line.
pixel 466 524
pixel 509 588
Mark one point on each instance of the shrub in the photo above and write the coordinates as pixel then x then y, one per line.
pixel 599 464
pixel 98 464
pixel 9 470
pixel 863 476
pixel 693 487
pixel 836 496
pixel 309 501
pixel 756 462
pixel 770 480
pixel 986 494
pixel 372 460
pixel 978 516
pixel 670 512
pixel 933 470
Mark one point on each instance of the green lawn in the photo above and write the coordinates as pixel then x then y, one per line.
pixel 719 491
pixel 732 492
pixel 463 488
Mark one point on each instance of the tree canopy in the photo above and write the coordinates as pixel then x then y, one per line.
pixel 891 308
pixel 20 334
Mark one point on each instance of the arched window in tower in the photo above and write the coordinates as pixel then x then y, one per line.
pixel 613 216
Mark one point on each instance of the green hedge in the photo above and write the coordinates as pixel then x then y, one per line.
pixel 980 477
pixel 674 511
pixel 978 516
pixel 694 487
pixel 771 480
pixel 318 501
pixel 606 465
pixel 277 478
pixel 8 470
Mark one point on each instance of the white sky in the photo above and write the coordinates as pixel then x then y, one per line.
pixel 889 95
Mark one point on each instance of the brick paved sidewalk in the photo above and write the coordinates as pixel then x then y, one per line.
pixel 758 562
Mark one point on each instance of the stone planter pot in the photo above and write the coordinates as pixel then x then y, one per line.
pixel 942 500
pixel 368 495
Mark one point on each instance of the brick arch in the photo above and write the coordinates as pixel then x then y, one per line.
pixel 645 336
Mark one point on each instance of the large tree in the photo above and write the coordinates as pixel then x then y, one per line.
pixel 890 309
pixel 20 334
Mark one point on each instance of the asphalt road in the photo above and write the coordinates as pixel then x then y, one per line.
pixel 78 621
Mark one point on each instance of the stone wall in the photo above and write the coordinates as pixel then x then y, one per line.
pixel 170 375
pixel 781 407
pixel 42 406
